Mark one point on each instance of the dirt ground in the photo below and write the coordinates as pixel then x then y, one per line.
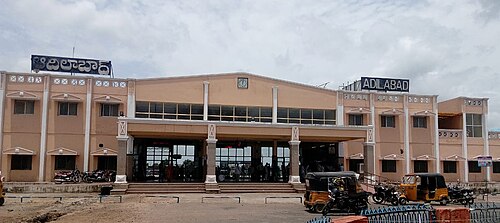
pixel 135 208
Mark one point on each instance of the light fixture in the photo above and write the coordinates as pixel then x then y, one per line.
pixel 60 151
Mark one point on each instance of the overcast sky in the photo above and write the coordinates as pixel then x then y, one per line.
pixel 449 48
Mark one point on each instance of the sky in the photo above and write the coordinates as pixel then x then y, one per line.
pixel 448 48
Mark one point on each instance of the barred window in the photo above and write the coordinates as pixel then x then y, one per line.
pixel 109 109
pixel 388 121
pixel 68 108
pixel 474 167
pixel 449 166
pixel 389 166
pixel 306 116
pixel 21 162
pixel 420 166
pixel 160 110
pixel 24 107
pixel 474 125
pixel 355 119
pixel 420 122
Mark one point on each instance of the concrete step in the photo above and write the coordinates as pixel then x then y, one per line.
pixel 164 192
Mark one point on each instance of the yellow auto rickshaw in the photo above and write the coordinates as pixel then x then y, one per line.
pixel 318 183
pixel 425 187
pixel 2 192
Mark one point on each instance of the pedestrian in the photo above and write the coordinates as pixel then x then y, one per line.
pixel 237 172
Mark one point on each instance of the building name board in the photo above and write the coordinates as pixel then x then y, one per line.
pixel 70 65
pixel 385 84
pixel 484 161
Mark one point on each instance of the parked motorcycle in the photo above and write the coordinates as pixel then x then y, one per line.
pixel 99 176
pixel 460 195
pixel 345 202
pixel 72 176
pixel 387 194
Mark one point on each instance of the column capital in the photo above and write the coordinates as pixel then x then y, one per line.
pixel 294 142
pixel 122 138
pixel 212 140
pixel 368 144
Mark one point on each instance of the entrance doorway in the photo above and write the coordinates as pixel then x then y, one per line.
pixel 319 157
pixel 161 160
pixel 252 161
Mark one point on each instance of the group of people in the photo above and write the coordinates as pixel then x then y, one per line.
pixel 169 172
pixel 257 173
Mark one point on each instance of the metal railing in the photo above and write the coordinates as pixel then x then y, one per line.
pixel 222 197
pixel 320 220
pixel 484 212
pixel 407 213
pixel 281 197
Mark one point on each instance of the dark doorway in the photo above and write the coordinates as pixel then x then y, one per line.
pixel 163 160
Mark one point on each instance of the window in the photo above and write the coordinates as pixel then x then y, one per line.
pixel 496 167
pixel 306 116
pixel 21 162
pixel 388 121
pixel 474 167
pixel 23 107
pixel 106 162
pixel 68 108
pixel 355 119
pixel 474 125
pixel 109 109
pixel 389 166
pixel 449 166
pixel 420 122
pixel 65 162
pixel 420 166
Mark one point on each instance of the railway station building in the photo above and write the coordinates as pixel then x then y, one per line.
pixel 234 127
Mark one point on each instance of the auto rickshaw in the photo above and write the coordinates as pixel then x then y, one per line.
pixel 318 183
pixel 2 192
pixel 425 187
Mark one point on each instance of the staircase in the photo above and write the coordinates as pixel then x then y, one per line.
pixel 165 188
pixel 256 188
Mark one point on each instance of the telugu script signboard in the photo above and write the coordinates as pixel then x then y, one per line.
pixel 385 84
pixel 70 65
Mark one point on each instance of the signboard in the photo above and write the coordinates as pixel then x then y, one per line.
pixel 484 161
pixel 385 84
pixel 70 65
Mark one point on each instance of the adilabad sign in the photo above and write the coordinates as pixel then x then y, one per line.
pixel 385 84
pixel 70 65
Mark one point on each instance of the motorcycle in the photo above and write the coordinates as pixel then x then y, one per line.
pixel 98 176
pixel 387 194
pixel 460 195
pixel 72 176
pixel 341 200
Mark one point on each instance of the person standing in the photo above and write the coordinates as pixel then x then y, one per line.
pixel 237 172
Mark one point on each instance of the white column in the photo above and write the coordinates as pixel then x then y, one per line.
pixel 43 133
pixel 485 136
pixel 88 111
pixel 131 99
pixel 373 116
pixel 436 134
pixel 3 79
pixel 406 134
pixel 464 147
pixel 340 109
pixel 275 104
pixel 205 100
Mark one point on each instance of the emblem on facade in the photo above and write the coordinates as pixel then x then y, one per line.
pixel 295 133
pixel 122 128
pixel 211 131
pixel 370 135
